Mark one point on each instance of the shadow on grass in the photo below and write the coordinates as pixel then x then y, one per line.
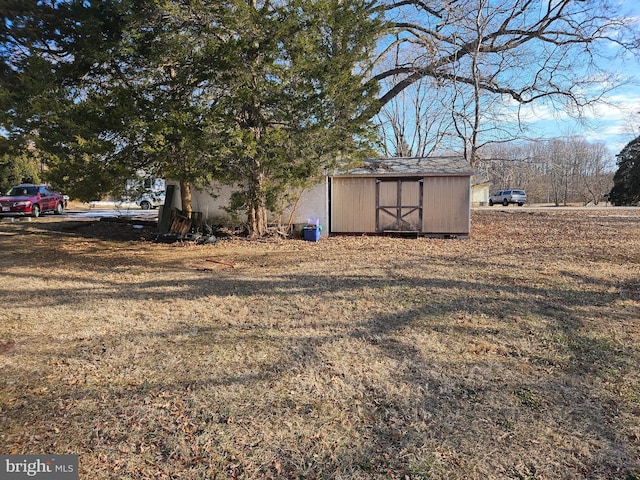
pixel 445 378
pixel 458 417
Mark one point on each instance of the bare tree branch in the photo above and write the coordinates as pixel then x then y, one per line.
pixel 543 28
pixel 490 54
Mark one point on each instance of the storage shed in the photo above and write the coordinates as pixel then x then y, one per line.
pixel 428 196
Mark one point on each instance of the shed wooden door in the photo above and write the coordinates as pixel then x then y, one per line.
pixel 399 204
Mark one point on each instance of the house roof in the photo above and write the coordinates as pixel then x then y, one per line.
pixel 429 166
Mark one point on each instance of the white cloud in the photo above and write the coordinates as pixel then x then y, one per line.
pixel 609 121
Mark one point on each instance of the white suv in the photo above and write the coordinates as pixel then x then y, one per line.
pixel 505 197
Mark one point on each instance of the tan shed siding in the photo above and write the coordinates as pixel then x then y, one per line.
pixel 387 198
pixel 410 193
pixel 411 199
pixel 446 205
pixel 353 205
pixel 388 193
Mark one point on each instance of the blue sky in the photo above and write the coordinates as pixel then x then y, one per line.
pixel 612 120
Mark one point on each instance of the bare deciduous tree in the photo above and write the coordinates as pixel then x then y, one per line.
pixel 412 124
pixel 558 171
pixel 507 51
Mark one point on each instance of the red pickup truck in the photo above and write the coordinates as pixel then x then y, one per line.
pixel 29 199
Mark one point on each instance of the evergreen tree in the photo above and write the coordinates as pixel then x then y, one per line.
pixel 292 93
pixel 143 102
pixel 16 169
pixel 626 181
pixel 48 50
pixel 260 95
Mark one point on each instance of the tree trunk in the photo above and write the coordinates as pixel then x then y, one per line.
pixel 257 212
pixel 185 197
pixel 257 221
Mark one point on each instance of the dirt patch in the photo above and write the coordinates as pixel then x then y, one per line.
pixel 513 354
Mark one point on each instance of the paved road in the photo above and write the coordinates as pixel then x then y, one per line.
pixel 106 211
pixel 550 207
pixel 90 214
pixel 111 212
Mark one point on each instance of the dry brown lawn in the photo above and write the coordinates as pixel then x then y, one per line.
pixel 514 354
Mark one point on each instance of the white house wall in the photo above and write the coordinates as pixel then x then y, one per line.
pixel 212 207
pixel 480 194
pixel 312 204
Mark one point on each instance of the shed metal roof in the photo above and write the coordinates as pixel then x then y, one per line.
pixel 434 166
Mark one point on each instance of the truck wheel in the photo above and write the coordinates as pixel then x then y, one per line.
pixel 491 203
pixel 505 202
